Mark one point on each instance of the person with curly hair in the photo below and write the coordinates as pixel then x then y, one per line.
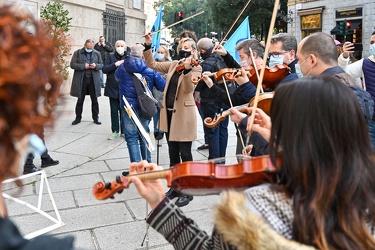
pixel 29 87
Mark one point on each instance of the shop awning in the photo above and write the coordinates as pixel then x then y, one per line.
pixel 353 26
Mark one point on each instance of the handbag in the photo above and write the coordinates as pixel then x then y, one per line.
pixel 147 104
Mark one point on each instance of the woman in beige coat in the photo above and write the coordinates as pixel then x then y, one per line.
pixel 178 115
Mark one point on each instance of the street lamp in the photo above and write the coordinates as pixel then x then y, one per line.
pixel 206 34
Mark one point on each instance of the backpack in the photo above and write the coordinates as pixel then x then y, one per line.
pixel 217 65
pixel 365 101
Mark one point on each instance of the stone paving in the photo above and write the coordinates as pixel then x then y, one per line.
pixel 86 156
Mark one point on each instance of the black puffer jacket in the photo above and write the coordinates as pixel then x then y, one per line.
pixel 111 87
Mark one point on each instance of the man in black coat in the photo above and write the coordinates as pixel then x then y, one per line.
pixel 86 63
pixel 104 48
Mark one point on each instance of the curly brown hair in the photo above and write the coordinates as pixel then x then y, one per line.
pixel 29 85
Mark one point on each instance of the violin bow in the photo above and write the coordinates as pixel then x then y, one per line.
pixel 224 82
pixel 265 56
pixel 255 68
pixel 235 21
pixel 173 24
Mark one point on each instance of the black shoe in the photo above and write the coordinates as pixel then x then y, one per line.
pixel 204 146
pixel 76 121
pixel 30 168
pixel 158 135
pixel 183 200
pixel 49 162
pixel 96 121
pixel 172 194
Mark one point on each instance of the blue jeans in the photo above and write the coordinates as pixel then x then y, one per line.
pixel 217 137
pixel 101 78
pixel 156 120
pixel 371 132
pixel 136 144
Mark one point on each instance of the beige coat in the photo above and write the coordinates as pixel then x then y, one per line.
pixel 184 120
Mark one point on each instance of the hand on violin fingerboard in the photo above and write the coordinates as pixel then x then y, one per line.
pixel 236 116
pixel 151 190
pixel 207 79
pixel 262 123
pixel 242 78
pixel 220 50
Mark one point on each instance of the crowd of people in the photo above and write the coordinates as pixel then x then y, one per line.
pixel 319 133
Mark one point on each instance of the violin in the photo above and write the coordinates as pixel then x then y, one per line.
pixel 201 178
pixel 264 103
pixel 180 67
pixel 272 76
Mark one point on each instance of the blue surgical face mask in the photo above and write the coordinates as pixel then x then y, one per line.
pixel 36 145
pixel 276 61
pixel 298 70
pixel 88 50
pixel 160 57
pixel 243 63
pixel 372 49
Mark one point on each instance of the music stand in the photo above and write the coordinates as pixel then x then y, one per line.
pixel 43 180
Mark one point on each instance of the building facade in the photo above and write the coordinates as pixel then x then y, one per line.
pixel 114 19
pixel 308 16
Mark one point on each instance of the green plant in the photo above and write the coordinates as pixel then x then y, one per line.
pixel 57 18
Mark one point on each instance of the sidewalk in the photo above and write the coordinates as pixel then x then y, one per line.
pixel 86 156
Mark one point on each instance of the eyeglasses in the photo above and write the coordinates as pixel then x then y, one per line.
pixel 277 54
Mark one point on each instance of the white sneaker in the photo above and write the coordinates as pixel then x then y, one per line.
pixel 113 136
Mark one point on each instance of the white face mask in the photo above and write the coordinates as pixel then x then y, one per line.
pixel 243 63
pixel 120 50
pixel 276 61
pixel 160 57
pixel 372 49
pixel 298 70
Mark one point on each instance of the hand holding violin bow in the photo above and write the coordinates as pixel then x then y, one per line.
pixel 148 39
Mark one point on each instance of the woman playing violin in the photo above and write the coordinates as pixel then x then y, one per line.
pixel 178 117
pixel 325 194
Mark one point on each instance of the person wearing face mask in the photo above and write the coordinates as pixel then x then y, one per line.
pixel 135 69
pixel 365 69
pixel 86 63
pixel 283 50
pixel 112 86
pixel 245 90
pixel 162 56
pixel 178 116
pixel 104 48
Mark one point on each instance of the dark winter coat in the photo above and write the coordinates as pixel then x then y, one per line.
pixel 78 64
pixel 112 87
pixel 124 74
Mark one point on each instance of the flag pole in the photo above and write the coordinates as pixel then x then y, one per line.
pixel 173 24
pixel 235 21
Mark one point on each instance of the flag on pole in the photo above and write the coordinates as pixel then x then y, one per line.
pixel 155 43
pixel 241 33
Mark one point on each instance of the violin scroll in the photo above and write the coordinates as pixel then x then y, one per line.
pixel 104 191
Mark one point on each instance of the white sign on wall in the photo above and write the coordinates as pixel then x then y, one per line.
pixel 137 4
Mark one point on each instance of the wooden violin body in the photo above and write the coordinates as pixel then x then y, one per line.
pixel 264 103
pixel 272 76
pixel 201 178
pixel 180 67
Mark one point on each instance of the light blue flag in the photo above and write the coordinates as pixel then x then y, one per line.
pixel 155 43
pixel 241 33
